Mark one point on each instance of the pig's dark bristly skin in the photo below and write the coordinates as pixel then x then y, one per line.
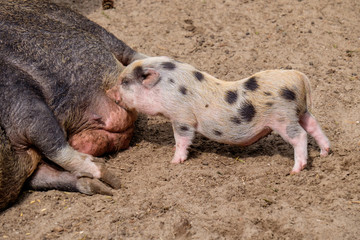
pixel 58 72
pixel 239 112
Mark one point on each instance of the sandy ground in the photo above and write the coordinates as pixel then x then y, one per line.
pixel 224 192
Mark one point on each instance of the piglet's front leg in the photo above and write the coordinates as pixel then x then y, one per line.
pixel 184 135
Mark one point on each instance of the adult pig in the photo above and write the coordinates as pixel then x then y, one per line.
pixel 238 112
pixel 57 106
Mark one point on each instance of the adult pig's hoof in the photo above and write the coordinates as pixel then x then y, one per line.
pixel 91 186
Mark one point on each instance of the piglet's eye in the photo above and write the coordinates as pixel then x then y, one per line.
pixel 125 82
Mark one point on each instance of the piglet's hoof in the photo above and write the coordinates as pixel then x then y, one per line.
pixel 107 176
pixel 91 186
pixel 177 160
pixel 297 170
pixel 324 152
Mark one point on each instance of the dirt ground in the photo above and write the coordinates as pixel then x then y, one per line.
pixel 222 191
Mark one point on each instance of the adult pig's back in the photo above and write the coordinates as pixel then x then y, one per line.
pixel 47 12
pixel 71 65
pixel 54 53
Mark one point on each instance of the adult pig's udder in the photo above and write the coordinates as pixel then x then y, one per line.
pixel 111 133
pixel 98 142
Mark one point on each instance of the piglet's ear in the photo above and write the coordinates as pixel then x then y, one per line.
pixel 152 77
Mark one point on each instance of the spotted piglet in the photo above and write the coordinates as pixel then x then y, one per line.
pixel 238 112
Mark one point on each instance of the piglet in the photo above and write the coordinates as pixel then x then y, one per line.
pixel 238 112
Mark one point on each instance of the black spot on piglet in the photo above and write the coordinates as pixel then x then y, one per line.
pixel 293 131
pixel 183 90
pixel 247 111
pixel 139 73
pixel 199 76
pixel 217 133
pixel 168 65
pixel 231 96
pixel 251 84
pixel 235 120
pixel 287 94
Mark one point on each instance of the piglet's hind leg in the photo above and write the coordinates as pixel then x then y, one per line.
pixel 297 137
pixel 309 123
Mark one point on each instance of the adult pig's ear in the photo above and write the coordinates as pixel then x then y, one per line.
pixel 151 78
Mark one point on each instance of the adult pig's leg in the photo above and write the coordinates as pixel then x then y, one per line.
pixel 14 170
pixel 49 177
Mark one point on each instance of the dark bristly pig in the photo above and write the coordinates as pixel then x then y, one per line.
pixel 238 112
pixel 58 107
